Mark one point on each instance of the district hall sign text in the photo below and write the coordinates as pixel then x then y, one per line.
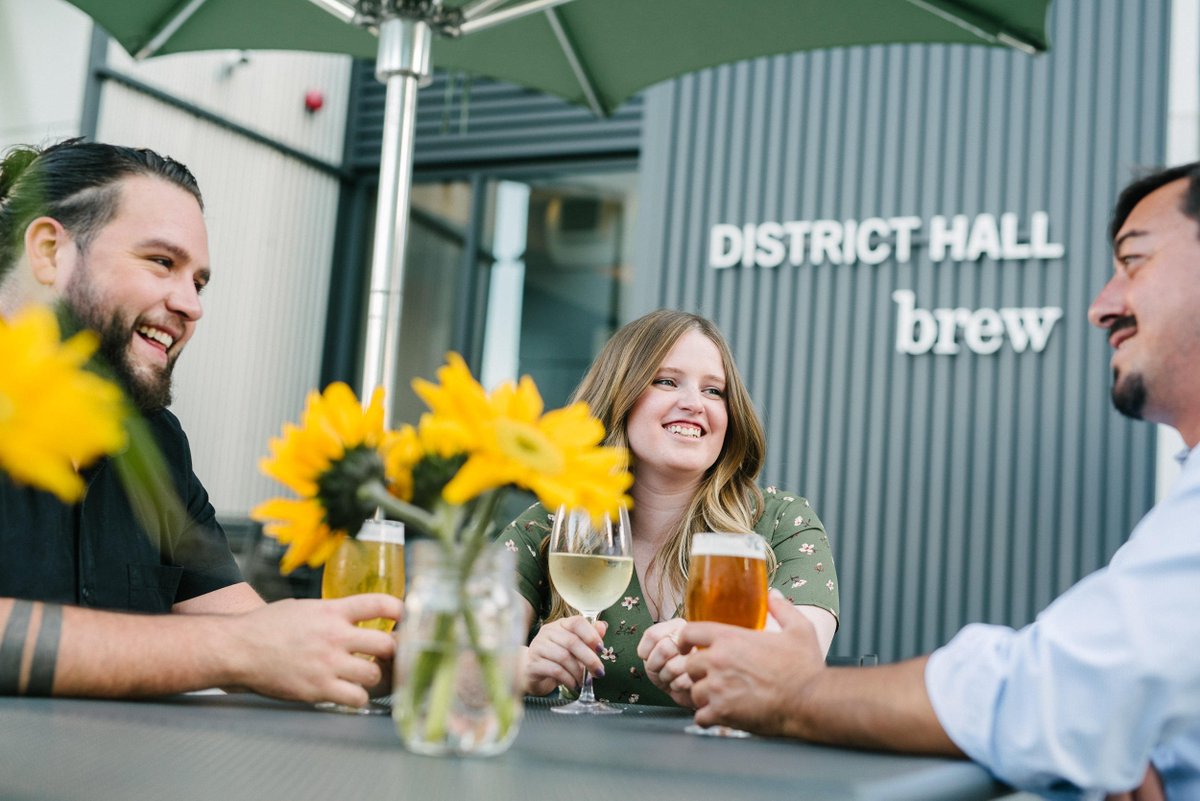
pixel 954 238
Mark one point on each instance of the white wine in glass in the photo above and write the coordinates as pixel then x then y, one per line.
pixel 590 566
pixel 727 583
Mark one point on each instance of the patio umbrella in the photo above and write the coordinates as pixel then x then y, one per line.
pixel 592 52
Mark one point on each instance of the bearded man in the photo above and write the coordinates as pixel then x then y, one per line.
pixel 117 235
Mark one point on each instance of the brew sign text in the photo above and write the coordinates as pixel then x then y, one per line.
pixel 945 238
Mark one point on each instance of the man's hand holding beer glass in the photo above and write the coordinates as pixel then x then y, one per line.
pixel 746 678
pixel 727 583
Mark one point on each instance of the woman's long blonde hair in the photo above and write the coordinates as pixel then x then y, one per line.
pixel 728 498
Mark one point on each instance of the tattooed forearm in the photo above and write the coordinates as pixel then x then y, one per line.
pixel 45 652
pixel 29 648
pixel 12 647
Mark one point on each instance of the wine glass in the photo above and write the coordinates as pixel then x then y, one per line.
pixel 727 583
pixel 371 562
pixel 590 566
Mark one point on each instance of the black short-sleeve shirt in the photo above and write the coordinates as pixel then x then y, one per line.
pixel 97 554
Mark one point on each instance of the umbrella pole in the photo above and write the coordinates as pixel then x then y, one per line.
pixel 402 64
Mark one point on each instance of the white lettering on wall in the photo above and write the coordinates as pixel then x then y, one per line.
pixel 921 331
pixel 876 239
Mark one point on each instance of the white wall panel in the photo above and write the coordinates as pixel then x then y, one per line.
pixel 43 66
pixel 265 93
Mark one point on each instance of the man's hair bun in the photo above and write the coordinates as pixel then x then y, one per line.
pixel 16 162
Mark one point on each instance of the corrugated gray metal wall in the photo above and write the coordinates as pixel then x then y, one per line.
pixel 955 487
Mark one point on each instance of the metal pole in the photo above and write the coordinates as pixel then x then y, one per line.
pixel 342 9
pixel 980 24
pixel 506 15
pixel 403 63
pixel 167 29
pixel 476 7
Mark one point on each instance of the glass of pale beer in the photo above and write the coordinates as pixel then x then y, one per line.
pixel 590 566
pixel 371 562
pixel 727 583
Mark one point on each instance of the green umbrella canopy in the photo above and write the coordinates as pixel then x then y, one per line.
pixel 622 45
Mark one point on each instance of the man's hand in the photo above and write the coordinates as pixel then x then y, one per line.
pixel 746 678
pixel 666 667
pixel 309 650
pixel 776 682
pixel 1151 789
pixel 560 652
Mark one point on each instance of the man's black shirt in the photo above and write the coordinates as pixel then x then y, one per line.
pixel 96 553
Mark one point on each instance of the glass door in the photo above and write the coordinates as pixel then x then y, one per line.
pixel 563 265
pixel 522 274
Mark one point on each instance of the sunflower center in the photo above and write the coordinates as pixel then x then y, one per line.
pixel 527 445
pixel 337 488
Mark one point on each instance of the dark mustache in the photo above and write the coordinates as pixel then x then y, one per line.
pixel 1122 322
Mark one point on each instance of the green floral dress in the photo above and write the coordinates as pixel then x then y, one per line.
pixel 804 574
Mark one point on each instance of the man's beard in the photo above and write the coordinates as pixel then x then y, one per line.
pixel 1129 395
pixel 149 388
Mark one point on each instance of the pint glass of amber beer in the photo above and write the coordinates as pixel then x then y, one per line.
pixel 727 579
pixel 727 583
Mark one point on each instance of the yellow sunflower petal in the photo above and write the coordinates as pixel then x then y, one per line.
pixel 344 414
pixel 54 416
pixel 573 426
pixel 324 549
pixel 447 437
pixel 458 396
pixel 520 402
pixel 477 475
pixel 373 419
pixel 79 348
pixel 401 452
pixel 305 550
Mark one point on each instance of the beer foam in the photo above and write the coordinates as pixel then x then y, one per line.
pixel 745 546
pixel 389 531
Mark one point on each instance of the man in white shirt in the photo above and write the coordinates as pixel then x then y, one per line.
pixel 1101 694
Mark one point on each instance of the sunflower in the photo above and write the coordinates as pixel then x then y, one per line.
pixel 326 460
pixel 55 416
pixel 557 456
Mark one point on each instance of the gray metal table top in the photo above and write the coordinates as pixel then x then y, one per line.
pixel 230 748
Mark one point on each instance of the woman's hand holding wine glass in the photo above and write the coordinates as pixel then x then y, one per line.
pixel 561 652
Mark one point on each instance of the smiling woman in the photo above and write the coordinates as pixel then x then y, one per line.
pixel 666 387
pixel 676 428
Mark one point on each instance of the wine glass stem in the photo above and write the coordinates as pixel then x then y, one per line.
pixel 586 696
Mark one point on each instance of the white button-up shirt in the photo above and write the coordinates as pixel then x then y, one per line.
pixel 1107 678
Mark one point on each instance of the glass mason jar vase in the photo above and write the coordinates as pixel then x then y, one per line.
pixel 456 687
